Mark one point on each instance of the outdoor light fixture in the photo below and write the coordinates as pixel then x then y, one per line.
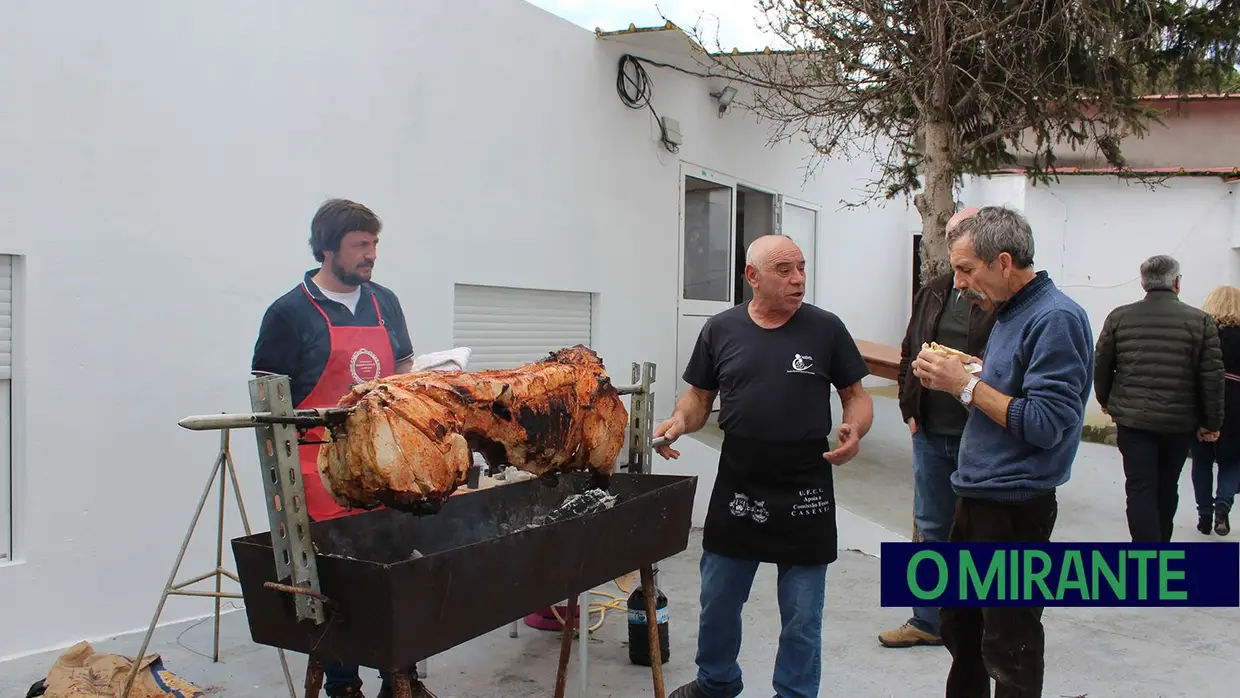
pixel 724 98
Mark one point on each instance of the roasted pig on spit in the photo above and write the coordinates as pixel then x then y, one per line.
pixel 408 438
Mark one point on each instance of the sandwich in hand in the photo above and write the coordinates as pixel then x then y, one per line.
pixel 942 350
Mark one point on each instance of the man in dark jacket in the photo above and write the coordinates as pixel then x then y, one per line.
pixel 1159 374
pixel 943 314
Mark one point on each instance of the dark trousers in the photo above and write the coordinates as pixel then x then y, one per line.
pixel 1153 463
pixel 1006 643
pixel 339 677
pixel 1206 454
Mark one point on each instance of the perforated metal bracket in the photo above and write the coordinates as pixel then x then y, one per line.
pixel 648 405
pixel 641 420
pixel 286 495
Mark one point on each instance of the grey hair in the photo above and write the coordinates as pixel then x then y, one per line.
pixel 995 230
pixel 1158 273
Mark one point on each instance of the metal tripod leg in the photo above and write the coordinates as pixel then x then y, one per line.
pixel 222 462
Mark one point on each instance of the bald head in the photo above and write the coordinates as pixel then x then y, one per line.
pixel 960 215
pixel 775 268
pixel 764 248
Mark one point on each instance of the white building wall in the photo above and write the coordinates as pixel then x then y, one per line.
pixel 1091 234
pixel 162 162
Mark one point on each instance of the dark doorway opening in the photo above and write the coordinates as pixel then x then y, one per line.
pixel 916 264
pixel 755 217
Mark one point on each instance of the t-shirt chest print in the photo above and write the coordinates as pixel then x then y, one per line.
pixel 801 363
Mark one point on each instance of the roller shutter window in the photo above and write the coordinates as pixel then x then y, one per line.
pixel 507 327
pixel 6 317
pixel 6 391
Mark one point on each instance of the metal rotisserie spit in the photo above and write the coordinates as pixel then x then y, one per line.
pixel 388 588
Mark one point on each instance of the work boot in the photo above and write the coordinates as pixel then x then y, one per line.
pixel 908 636
pixel 689 690
pixel 1204 524
pixel 1222 522
pixel 346 692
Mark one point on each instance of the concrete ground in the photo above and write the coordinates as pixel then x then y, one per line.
pixel 1133 653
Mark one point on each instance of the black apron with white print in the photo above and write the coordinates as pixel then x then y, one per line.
pixel 773 501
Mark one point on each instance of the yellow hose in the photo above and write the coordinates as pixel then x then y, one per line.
pixel 616 604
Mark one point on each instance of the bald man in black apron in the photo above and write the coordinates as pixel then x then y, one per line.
pixel 774 360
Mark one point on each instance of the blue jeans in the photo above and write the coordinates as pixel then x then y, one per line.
pixel 1205 455
pixel 801 591
pixel 934 501
pixel 337 676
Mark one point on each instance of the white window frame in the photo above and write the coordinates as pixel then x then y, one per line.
pixel 11 392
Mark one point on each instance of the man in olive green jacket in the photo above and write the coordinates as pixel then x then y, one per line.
pixel 1158 373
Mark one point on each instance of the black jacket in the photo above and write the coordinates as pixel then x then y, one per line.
pixel 923 325
pixel 1158 366
pixel 1229 341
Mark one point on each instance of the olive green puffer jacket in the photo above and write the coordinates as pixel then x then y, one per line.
pixel 1158 366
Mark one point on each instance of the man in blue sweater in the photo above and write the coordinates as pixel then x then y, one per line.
pixel 1026 409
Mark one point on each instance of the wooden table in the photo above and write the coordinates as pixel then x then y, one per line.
pixel 883 360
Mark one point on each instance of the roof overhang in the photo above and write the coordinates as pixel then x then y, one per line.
pixel 666 38
pixel 676 47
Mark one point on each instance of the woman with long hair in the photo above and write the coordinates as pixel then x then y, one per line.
pixel 1214 503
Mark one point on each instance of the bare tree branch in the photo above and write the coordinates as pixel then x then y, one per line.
pixel 932 90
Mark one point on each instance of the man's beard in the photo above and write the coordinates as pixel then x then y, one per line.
pixel 351 278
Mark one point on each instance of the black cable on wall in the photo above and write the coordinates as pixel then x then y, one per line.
pixel 640 86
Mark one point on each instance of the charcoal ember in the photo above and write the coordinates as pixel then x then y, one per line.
pixel 589 502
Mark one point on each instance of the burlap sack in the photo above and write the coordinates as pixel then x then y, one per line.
pixel 81 672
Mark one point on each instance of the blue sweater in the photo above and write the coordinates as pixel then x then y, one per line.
pixel 1041 353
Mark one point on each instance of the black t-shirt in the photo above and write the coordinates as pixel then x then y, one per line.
pixel 775 384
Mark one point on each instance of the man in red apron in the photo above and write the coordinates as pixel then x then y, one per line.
pixel 332 331
pixel 774 361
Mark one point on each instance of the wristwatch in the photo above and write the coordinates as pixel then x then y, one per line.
pixel 966 395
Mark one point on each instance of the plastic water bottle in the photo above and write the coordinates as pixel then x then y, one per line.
pixel 639 639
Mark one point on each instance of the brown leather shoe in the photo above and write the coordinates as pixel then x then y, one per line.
pixel 908 636
pixel 1222 522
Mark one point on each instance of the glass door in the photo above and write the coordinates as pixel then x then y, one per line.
pixel 707 256
pixel 799 221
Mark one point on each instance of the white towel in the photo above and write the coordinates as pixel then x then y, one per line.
pixel 448 360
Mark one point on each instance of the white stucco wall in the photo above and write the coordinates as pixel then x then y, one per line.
pixel 1092 233
pixel 161 165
